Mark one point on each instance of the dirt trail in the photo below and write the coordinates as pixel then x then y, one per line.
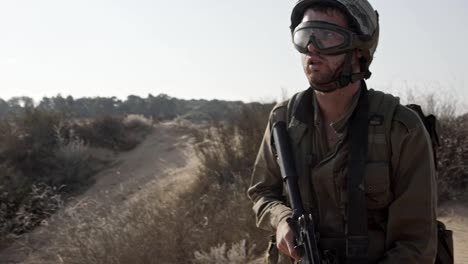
pixel 165 156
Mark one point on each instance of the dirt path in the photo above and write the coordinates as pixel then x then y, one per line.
pixel 165 155
pixel 166 151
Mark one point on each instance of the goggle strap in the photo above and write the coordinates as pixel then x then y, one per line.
pixel 346 76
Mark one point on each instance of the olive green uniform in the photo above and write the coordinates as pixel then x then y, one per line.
pixel 399 180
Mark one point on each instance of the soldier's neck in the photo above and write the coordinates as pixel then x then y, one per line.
pixel 335 104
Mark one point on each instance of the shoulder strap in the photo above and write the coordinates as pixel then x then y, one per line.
pixel 293 104
pixel 382 108
pixel 357 239
pixel 282 114
pixel 370 123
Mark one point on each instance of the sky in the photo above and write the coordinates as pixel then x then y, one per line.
pixel 231 50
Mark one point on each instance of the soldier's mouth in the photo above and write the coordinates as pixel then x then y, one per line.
pixel 313 60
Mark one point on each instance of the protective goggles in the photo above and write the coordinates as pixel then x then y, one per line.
pixel 327 38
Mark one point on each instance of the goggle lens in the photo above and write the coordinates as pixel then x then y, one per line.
pixel 323 38
pixel 327 38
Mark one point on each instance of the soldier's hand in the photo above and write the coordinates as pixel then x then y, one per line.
pixel 285 240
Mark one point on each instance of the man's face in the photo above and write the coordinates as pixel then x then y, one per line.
pixel 323 69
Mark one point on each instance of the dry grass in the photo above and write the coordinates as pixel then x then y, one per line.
pixel 237 254
pixel 188 227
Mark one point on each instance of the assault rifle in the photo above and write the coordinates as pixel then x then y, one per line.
pixel 301 223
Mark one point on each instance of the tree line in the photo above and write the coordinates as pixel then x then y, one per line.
pixel 160 107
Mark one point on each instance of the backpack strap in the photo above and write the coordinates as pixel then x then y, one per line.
pixel 382 107
pixel 293 104
pixel 284 112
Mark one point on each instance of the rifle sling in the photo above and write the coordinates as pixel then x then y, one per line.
pixel 357 240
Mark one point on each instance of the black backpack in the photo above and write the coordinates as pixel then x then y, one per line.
pixel 444 236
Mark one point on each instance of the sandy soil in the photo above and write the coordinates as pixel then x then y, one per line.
pixel 166 156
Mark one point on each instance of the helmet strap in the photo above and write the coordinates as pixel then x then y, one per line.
pixel 347 73
pixel 346 77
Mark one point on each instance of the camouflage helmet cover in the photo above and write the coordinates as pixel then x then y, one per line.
pixel 361 13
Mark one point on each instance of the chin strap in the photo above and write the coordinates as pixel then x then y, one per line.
pixel 346 77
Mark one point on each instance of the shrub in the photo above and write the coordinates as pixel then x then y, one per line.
pixel 138 126
pixel 114 133
pixel 452 154
pixel 40 203
pixel 75 164
pixel 137 122
pixel 43 158
pixel 28 143
pixel 453 159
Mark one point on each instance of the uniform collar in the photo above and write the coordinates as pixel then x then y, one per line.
pixel 308 105
pixel 340 125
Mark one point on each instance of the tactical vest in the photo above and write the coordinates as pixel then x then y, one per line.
pixel 381 113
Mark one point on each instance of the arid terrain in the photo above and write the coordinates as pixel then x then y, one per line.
pixel 165 163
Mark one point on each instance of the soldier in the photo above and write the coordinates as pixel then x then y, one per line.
pixel 337 40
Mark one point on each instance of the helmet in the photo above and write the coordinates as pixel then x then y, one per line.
pixel 364 20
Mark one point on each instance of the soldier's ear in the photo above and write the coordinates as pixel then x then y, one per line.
pixel 358 53
pixel 357 57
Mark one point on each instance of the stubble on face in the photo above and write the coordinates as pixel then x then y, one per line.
pixel 328 71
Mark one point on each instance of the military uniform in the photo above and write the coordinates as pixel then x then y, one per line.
pixel 399 179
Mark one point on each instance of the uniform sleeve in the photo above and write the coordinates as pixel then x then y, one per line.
pixel 266 188
pixel 411 230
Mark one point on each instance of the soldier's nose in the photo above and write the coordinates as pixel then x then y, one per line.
pixel 311 48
